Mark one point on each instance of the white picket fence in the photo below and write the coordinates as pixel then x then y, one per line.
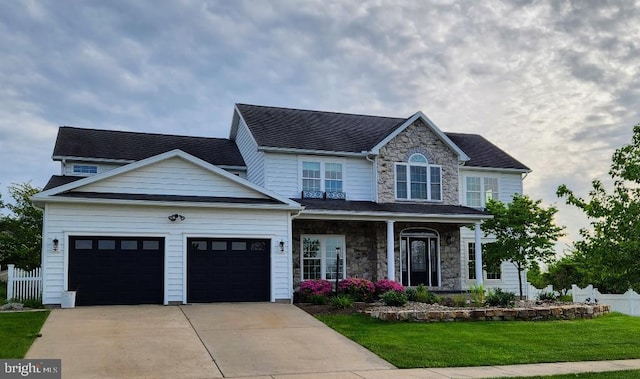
pixel 627 303
pixel 22 284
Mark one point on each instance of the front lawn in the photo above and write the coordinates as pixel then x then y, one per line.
pixel 18 330
pixel 593 375
pixel 454 344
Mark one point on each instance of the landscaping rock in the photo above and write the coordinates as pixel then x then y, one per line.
pixel 12 307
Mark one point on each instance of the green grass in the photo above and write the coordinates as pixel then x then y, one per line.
pixel 18 330
pixel 454 344
pixel 593 375
pixel 3 292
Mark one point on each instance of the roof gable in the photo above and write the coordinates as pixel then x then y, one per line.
pixel 111 145
pixel 174 173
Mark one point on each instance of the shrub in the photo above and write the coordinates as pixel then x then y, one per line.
pixel 460 301
pixel 566 298
pixel 386 285
pixel 412 294
pixel 341 301
pixel 317 299
pixel 424 296
pixel 478 295
pixel 359 289
pixel 547 296
pixel 394 298
pixel 311 287
pixel 500 298
pixel 32 302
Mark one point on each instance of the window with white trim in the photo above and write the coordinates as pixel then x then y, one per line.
pixel 418 180
pixel 493 274
pixel 322 176
pixel 478 190
pixel 319 257
pixel 85 169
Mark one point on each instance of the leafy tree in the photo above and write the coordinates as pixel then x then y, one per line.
pixel 21 229
pixel 524 232
pixel 535 276
pixel 609 249
pixel 563 273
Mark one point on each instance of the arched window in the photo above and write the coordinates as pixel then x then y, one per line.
pixel 418 180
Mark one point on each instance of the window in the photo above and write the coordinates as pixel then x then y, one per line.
pixel 319 259
pixel 322 177
pixel 479 190
pixel 490 273
pixel 418 180
pixel 85 169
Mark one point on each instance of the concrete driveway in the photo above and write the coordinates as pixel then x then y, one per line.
pixel 197 341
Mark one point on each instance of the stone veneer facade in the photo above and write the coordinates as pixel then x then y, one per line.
pixel 366 248
pixel 417 138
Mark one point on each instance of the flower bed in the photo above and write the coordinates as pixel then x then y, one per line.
pixel 435 313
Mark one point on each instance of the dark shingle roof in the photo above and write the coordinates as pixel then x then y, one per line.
pixel 176 198
pixel 330 131
pixel 57 181
pixel 483 153
pixel 369 206
pixel 110 144
pixel 315 130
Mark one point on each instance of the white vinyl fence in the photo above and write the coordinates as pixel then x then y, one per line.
pixel 627 303
pixel 22 284
pixel 532 292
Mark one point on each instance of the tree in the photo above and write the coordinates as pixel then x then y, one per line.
pixel 563 273
pixel 21 230
pixel 609 248
pixel 535 276
pixel 524 232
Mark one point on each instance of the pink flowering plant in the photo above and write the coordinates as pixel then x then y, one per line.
pixel 314 288
pixel 358 289
pixel 386 285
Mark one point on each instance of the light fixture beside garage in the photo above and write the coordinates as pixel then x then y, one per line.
pixel 281 246
pixel 175 217
pixel 56 244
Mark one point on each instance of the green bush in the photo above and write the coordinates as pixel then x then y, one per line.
pixel 566 298
pixel 460 301
pixel 317 299
pixel 478 295
pixel 33 303
pixel 341 301
pixel 394 298
pixel 547 296
pixel 500 298
pixel 424 296
pixel 412 294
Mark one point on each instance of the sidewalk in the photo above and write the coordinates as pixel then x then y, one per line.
pixel 540 369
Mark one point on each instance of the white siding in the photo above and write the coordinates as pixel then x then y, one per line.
pixel 174 176
pixel 63 220
pixel 283 175
pixel 253 158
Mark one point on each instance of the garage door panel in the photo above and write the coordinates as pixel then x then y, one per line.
pixel 228 270
pixel 122 272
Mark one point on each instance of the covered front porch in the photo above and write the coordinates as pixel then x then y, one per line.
pixel 394 241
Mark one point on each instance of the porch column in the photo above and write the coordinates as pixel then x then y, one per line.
pixel 391 262
pixel 478 252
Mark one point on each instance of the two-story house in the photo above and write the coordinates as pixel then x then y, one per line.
pixel 290 195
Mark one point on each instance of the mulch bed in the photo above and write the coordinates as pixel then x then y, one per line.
pixel 328 309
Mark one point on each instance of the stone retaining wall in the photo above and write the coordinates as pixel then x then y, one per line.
pixel 555 312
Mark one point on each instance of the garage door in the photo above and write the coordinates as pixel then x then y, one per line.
pixel 116 270
pixel 228 270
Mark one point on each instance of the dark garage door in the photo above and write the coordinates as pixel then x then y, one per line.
pixel 116 270
pixel 228 270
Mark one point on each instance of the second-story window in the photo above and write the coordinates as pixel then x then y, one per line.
pixel 85 169
pixel 418 180
pixel 480 189
pixel 322 176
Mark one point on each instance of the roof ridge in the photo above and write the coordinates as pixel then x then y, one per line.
pixel 142 133
pixel 327 112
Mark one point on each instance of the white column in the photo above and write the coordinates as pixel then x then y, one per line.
pixel 391 262
pixel 478 252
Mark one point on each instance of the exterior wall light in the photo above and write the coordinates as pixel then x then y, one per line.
pixel 281 246
pixel 56 244
pixel 176 216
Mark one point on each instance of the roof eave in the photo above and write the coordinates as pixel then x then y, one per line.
pixel 289 150
pixel 500 169
pixel 382 216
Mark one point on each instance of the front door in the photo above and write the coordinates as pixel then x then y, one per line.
pixel 421 264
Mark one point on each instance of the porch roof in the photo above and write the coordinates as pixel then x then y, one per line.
pixel 372 211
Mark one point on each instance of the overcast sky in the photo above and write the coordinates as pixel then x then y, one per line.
pixel 554 83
